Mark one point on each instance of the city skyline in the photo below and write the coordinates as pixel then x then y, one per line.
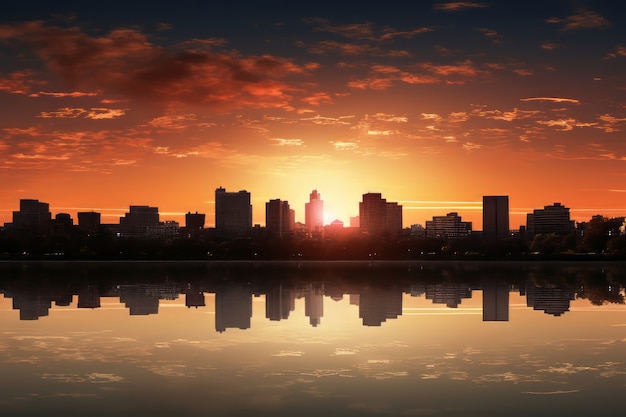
pixel 435 105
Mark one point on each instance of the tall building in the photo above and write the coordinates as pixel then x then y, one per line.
pixel 34 216
pixel 450 226
pixel 233 213
pixel 136 222
pixel 550 219
pixel 89 222
pixel 314 213
pixel 278 217
pixel 378 216
pixel 495 217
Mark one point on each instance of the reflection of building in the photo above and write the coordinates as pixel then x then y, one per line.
pixel 194 298
pixel 89 297
pixel 136 221
pixel 449 294
pixel 554 301
pixel 495 217
pixel 377 215
pixel 314 213
pixel 314 303
pixel 233 307
pixel 550 219
pixel 279 302
pixel 449 226
pixel 279 218
pixel 495 300
pixel 233 213
pixel 33 216
pixel 376 305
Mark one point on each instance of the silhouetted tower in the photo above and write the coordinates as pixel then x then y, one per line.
pixel 495 217
pixel 194 221
pixel 233 213
pixel 314 213
pixel 278 217
pixel 377 215
pixel 138 219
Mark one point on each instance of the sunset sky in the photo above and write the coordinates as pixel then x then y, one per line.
pixel 431 103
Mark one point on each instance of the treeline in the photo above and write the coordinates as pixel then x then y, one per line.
pixel 601 238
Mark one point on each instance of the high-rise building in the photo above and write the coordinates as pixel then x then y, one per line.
pixel 278 217
pixel 34 216
pixel 450 226
pixel 137 220
pixel 378 216
pixel 233 213
pixel 495 217
pixel 550 219
pixel 314 213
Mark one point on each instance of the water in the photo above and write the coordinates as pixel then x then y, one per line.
pixel 338 339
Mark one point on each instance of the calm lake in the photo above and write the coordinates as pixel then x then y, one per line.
pixel 311 339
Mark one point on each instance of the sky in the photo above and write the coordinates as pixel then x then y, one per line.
pixel 434 104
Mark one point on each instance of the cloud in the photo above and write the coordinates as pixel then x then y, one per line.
pixel 583 19
pixel 551 99
pixel 125 61
pixel 470 146
pixel 549 46
pixel 73 94
pixel 620 50
pixel 364 31
pixel 287 142
pixel 94 113
pixel 459 5
pixel 572 391
pixel 345 146
pixel 565 124
pixel 19 82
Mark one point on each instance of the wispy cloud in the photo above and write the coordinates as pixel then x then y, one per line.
pixel 459 5
pixel 287 142
pixel 552 99
pixel 583 19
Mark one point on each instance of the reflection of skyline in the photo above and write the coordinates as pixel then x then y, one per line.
pixel 376 302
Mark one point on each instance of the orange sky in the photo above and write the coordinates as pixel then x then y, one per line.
pixel 433 107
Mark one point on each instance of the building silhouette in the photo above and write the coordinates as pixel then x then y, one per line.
pixel 495 217
pixel 376 305
pixel 33 217
pixel 550 219
pixel 233 213
pixel 194 221
pixel 450 226
pixel 89 222
pixel 279 218
pixel 314 213
pixel 314 303
pixel 378 216
pixel 136 222
pixel 62 224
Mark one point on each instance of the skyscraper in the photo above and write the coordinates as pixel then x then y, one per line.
pixel 495 217
pixel 233 213
pixel 377 215
pixel 278 217
pixel 314 213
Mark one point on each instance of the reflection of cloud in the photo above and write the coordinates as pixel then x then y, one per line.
pixel 572 391
pixel 93 378
pixel 566 368
pixel 344 352
pixel 286 353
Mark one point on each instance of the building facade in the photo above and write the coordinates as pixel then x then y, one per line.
pixel 450 226
pixel 314 213
pixel 378 216
pixel 233 213
pixel 495 217
pixel 137 220
pixel 550 219
pixel 278 217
